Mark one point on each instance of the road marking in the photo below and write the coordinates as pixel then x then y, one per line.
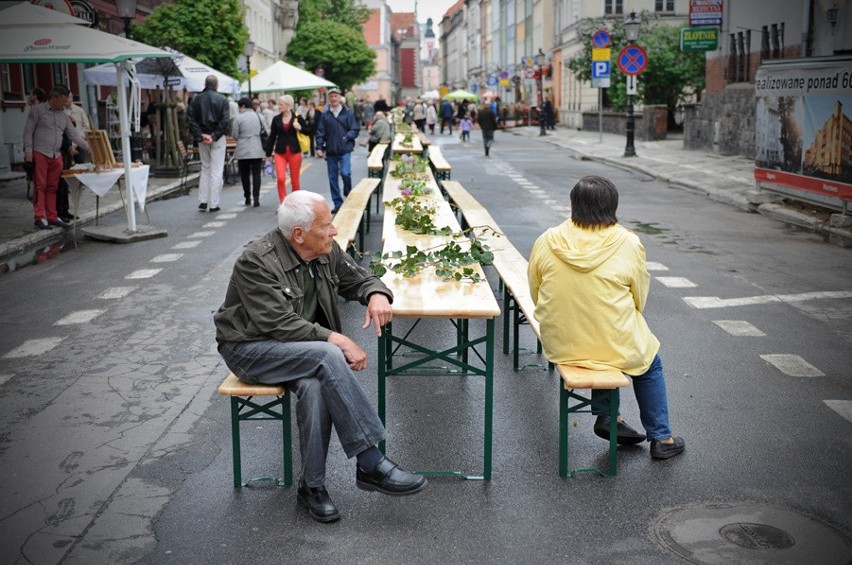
pixel 143 274
pixel 213 225
pixel 651 266
pixel 5 378
pixel 200 234
pixel 739 328
pixel 186 245
pixel 78 317
pixel 167 258
pixel 792 365
pixel 716 302
pixel 676 282
pixel 116 292
pixel 842 407
pixel 34 347
pixel 227 216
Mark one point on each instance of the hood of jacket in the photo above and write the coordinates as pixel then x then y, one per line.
pixel 584 249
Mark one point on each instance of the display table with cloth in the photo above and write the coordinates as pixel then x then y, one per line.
pixel 101 183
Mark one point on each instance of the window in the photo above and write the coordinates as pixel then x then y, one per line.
pixel 739 65
pixel 613 6
pixel 664 6
pixel 772 41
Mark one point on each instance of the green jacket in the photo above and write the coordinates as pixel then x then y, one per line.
pixel 265 299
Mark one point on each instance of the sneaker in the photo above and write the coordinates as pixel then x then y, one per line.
pixel 660 450
pixel 202 206
pixel 42 224
pixel 216 209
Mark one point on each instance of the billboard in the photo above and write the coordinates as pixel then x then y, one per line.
pixel 804 129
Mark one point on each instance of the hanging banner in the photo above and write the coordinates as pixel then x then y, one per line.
pixel 705 13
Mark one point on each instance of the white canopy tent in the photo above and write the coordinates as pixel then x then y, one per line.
pixel 32 34
pixel 181 72
pixel 281 77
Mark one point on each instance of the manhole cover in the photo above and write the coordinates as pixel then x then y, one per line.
pixel 751 533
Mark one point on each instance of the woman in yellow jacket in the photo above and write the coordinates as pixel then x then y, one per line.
pixel 589 282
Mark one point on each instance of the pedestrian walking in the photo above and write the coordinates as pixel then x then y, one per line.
pixel 337 131
pixel 209 120
pixel 466 125
pixel 589 282
pixel 248 127
pixel 487 123
pixel 283 145
pixel 46 123
pixel 420 115
pixel 447 114
pixel 280 324
pixel 431 117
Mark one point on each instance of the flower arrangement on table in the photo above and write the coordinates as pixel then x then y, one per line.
pixel 454 260
pixel 409 166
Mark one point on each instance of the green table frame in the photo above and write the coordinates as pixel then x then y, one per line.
pixel 457 360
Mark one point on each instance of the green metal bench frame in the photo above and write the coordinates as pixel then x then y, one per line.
pixel 243 409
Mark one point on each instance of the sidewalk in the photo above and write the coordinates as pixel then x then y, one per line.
pixel 727 179
pixel 19 238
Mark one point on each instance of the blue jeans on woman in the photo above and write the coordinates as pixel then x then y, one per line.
pixel 339 165
pixel 327 394
pixel 650 390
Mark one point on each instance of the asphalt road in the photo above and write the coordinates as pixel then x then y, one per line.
pixel 115 447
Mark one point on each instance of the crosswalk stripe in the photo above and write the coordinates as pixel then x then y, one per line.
pixel 116 292
pixel 143 274
pixel 5 378
pixel 213 225
pixel 167 258
pixel 201 234
pixel 716 302
pixel 34 347
pixel 78 317
pixel 676 282
pixel 652 266
pixel 792 365
pixel 186 245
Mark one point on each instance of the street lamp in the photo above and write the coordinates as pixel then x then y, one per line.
pixel 248 51
pixel 540 60
pixel 126 11
pixel 631 32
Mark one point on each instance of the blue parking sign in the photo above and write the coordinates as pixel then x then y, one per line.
pixel 600 69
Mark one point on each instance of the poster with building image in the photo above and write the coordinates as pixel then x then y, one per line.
pixel 804 128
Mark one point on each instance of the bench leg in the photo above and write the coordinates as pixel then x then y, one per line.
pixel 235 441
pixel 287 442
pixel 564 410
pixel 266 411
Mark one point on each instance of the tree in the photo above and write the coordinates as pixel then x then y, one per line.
pixel 670 78
pixel 339 49
pixel 341 11
pixel 211 31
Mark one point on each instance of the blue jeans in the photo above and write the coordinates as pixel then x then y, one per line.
pixel 327 394
pixel 650 390
pixel 339 165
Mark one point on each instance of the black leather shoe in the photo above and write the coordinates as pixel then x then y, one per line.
pixel 388 478
pixel 59 222
pixel 202 206
pixel 626 434
pixel 216 209
pixel 256 203
pixel 42 224
pixel 660 450
pixel 318 503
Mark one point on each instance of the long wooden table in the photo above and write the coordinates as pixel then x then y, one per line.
pixel 429 297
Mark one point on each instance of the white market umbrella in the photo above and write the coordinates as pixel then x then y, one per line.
pixel 182 71
pixel 430 95
pixel 462 95
pixel 283 76
pixel 26 41
pixel 26 13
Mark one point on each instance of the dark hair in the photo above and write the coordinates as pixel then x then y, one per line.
pixel 594 201
pixel 59 90
pixel 244 102
pixel 39 93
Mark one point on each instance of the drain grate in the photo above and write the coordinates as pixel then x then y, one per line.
pixel 751 533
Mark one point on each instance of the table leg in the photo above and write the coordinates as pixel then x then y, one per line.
pixel 489 398
pixel 385 344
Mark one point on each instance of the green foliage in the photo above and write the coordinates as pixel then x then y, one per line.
pixel 341 51
pixel 341 11
pixel 211 31
pixel 670 78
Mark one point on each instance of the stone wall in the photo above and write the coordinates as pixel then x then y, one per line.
pixel 650 122
pixel 723 123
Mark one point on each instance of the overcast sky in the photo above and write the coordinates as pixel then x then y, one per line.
pixel 425 8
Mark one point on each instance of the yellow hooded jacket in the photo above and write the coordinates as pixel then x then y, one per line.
pixel 589 288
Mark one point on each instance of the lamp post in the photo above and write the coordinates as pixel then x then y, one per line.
pixel 631 32
pixel 126 11
pixel 248 51
pixel 540 60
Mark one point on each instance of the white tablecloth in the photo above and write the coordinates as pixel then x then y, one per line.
pixel 101 183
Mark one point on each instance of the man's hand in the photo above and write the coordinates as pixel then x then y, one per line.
pixel 355 356
pixel 28 156
pixel 206 138
pixel 379 312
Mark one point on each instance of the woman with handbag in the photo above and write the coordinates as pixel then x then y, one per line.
pixel 249 132
pixel 284 142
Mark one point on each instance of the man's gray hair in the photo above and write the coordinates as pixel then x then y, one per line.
pixel 211 82
pixel 297 210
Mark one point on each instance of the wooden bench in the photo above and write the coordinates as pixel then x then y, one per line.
pixel 245 408
pixel 581 378
pixel 349 219
pixel 376 163
pixel 424 140
pixel 440 166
